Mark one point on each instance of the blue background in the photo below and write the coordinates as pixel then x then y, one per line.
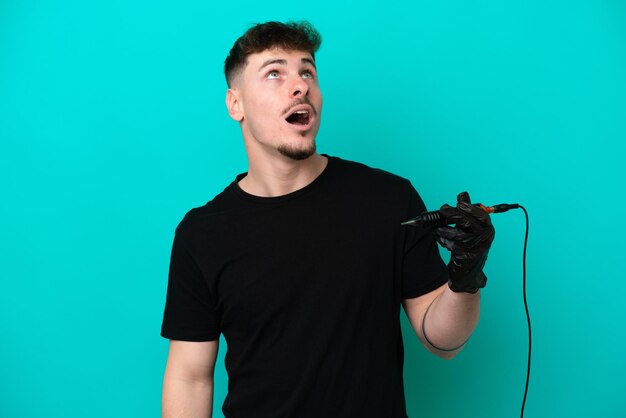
pixel 113 125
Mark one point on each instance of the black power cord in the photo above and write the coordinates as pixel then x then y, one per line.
pixel 527 313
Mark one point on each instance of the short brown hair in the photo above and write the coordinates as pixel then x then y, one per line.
pixel 290 36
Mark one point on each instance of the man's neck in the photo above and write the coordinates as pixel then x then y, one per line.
pixel 281 176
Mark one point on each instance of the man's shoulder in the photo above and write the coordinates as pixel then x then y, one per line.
pixel 366 174
pixel 211 213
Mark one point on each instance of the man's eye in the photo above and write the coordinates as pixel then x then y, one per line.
pixel 273 75
pixel 307 74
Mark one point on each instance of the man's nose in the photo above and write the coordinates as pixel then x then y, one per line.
pixel 299 88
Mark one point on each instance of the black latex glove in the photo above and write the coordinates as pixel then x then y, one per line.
pixel 469 242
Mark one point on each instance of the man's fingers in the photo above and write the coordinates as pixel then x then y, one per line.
pixel 446 243
pixel 463 241
pixel 475 212
pixel 463 197
pixel 452 214
pixel 449 233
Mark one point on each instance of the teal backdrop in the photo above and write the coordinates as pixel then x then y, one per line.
pixel 113 125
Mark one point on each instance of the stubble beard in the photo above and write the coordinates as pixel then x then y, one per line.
pixel 297 153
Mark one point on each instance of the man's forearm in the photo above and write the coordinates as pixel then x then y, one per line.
pixel 450 321
pixel 187 399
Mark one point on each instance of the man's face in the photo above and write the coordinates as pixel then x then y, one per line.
pixel 279 103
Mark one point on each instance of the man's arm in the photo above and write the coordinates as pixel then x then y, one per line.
pixel 188 380
pixel 446 317
pixel 450 321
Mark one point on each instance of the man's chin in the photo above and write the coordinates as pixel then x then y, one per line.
pixel 297 154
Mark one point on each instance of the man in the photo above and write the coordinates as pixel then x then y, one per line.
pixel 302 262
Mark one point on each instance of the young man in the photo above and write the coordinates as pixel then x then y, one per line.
pixel 302 262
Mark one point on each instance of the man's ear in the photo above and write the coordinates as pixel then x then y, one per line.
pixel 233 104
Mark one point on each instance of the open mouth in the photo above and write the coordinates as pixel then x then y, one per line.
pixel 299 117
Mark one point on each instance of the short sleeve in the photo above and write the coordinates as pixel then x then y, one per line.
pixel 189 313
pixel 423 270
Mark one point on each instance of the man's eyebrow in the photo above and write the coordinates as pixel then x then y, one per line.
pixel 309 61
pixel 273 61
pixel 284 62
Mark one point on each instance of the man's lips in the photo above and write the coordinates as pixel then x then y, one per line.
pixel 300 117
pixel 299 108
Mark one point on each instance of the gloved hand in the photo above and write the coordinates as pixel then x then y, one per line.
pixel 469 242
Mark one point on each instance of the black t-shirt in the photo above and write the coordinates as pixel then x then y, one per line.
pixel 307 289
